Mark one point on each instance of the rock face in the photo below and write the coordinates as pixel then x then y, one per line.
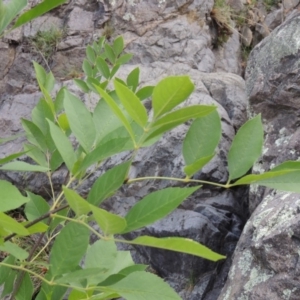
pixel 265 263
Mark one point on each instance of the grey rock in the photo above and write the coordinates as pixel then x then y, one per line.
pixel 289 4
pixel 227 55
pixel 272 70
pixel 11 112
pixel 272 20
pixel 247 36
pixel 7 55
pixel 86 20
pixel 44 23
pixel 265 262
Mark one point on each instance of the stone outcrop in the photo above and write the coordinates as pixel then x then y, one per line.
pixel 265 263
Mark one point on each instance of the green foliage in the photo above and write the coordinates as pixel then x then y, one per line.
pixel 45 42
pixel 119 122
pixel 10 10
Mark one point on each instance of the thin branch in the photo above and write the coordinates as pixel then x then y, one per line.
pixel 43 217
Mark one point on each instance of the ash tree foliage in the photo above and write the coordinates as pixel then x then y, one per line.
pixel 62 262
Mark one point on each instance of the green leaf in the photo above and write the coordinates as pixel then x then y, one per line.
pixel 133 79
pixel 118 45
pixel 22 166
pixel 45 80
pixel 64 124
pixel 103 68
pixel 101 254
pixel 34 134
pixel 110 53
pixel 36 154
pixel 105 120
pixel 103 151
pixel 155 206
pixel 80 121
pixel 26 289
pixel 40 114
pixel 112 279
pixel 246 148
pixel 11 138
pixel 36 207
pixel 4 271
pixel 87 68
pixel 106 185
pixel 50 292
pixel 287 165
pixel 105 296
pixel 108 222
pixel 11 157
pixel 285 180
pixel 10 197
pixel 76 202
pixel 55 161
pixel 12 225
pixel 145 92
pixel 59 100
pixel 37 11
pixel 68 248
pixel 190 170
pixel 14 250
pixel 170 92
pixel 41 77
pixel 115 108
pixel 142 285
pixel 9 283
pixel 50 82
pixel 132 104
pixel 178 117
pixel 125 58
pixel 76 295
pixel 178 244
pixel 63 145
pixel 56 220
pixel 37 227
pixel 81 84
pixel 134 268
pixel 202 138
pixel 91 82
pixel 9 11
pixel 114 70
pixel 104 254
pixel 40 73
pixel 90 54
pixel 76 277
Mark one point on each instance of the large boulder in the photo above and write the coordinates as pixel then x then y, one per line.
pixel 265 263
